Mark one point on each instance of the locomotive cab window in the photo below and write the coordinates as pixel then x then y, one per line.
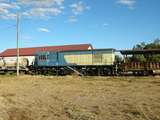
pixel 43 57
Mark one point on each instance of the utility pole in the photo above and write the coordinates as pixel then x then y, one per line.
pixel 17 30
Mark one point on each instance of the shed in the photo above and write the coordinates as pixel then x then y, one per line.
pixel 33 50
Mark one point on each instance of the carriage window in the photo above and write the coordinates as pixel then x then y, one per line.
pixel 39 57
pixel 43 57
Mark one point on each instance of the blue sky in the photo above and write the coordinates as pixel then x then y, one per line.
pixel 116 24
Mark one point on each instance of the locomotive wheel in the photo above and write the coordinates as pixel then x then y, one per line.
pixel 145 73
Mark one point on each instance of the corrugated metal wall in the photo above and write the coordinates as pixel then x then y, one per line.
pixel 76 58
pixel 104 57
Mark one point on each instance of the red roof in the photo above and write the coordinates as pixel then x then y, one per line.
pixel 32 51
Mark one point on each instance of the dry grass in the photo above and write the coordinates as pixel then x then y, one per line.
pixel 76 98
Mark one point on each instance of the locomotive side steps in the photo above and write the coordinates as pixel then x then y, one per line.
pixel 74 70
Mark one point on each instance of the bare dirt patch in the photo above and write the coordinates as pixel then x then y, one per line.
pixel 79 98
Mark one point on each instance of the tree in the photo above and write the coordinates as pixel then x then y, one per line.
pixel 147 58
pixel 154 45
pixel 140 58
pixel 139 46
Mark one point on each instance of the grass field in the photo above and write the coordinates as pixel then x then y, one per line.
pixel 76 98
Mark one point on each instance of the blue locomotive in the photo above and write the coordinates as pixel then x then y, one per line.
pixel 91 62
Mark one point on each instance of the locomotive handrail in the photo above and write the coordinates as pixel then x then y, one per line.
pixel 74 70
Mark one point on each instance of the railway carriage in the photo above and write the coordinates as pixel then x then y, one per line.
pixel 9 63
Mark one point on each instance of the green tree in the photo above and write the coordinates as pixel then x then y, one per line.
pixel 147 58
pixel 154 45
pixel 139 46
pixel 140 57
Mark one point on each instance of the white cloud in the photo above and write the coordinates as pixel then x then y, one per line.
pixel 40 8
pixel 8 16
pixel 43 8
pixel 43 30
pixel 6 8
pixel 8 5
pixel 3 11
pixel 72 19
pixel 41 3
pixel 42 12
pixel 79 7
pixel 129 3
pixel 29 8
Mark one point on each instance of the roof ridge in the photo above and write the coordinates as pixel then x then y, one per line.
pixel 51 46
pixel 30 51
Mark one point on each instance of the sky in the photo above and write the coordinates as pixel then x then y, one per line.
pixel 118 24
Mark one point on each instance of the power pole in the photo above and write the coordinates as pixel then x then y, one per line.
pixel 17 29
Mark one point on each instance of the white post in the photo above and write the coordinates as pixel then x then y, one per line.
pixel 17 28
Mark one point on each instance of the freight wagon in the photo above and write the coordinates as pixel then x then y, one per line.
pixel 134 67
pixel 83 62
pixel 9 63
